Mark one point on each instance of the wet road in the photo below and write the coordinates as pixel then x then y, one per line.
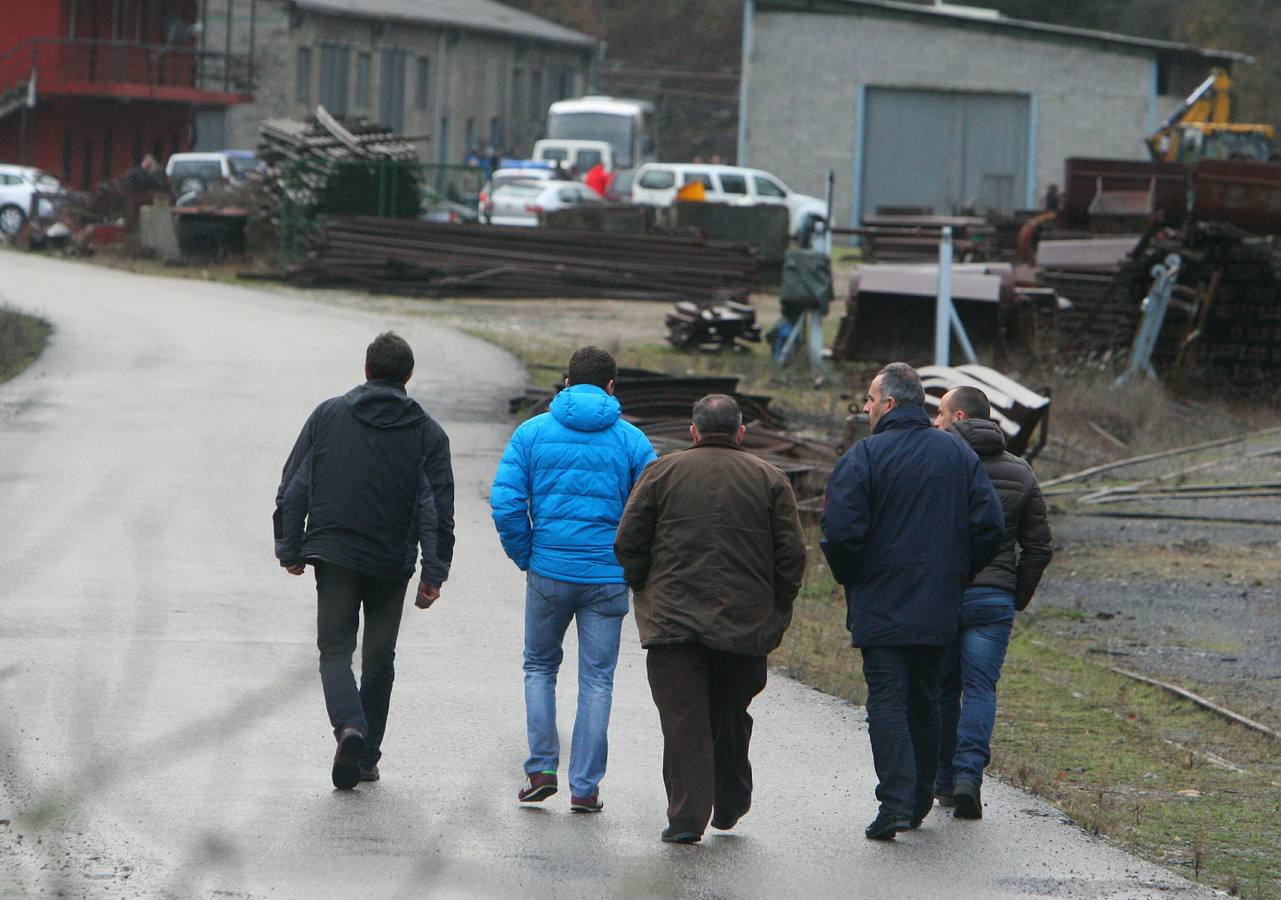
pixel 161 726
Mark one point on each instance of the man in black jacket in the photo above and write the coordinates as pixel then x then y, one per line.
pixel 909 518
pixel 974 658
pixel 370 476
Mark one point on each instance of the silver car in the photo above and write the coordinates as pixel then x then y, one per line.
pixel 17 185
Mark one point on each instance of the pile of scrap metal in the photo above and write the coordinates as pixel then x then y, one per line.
pixel 435 260
pixel 908 235
pixel 308 164
pixel 660 405
pixel 890 310
pixel 712 326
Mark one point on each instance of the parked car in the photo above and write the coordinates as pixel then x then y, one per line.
pixel 619 188
pixel 521 203
pixel 579 156
pixel 528 174
pixel 656 184
pixel 438 208
pixel 17 185
pixel 197 172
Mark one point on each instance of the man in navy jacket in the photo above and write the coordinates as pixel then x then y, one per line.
pixel 909 518
pixel 368 481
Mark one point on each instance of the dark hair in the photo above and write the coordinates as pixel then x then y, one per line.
pixel 717 414
pixel 389 358
pixel 900 381
pixel 592 365
pixel 971 401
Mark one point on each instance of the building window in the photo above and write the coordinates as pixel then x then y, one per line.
pixel 536 95
pixel 363 64
pixel 302 88
pixel 422 82
pixel 469 135
pixel 335 63
pixel 391 89
pixel 496 134
pixel 562 86
pixel 108 150
pixel 442 139
pixel 518 94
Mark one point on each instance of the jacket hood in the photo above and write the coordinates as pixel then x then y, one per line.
pixel 903 417
pixel 585 407
pixel 384 404
pixel 984 436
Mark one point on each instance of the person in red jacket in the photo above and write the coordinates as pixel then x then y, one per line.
pixel 597 178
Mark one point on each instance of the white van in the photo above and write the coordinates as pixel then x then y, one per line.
pixel 656 184
pixel 579 155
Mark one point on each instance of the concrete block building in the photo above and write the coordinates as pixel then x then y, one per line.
pixel 945 107
pixel 448 73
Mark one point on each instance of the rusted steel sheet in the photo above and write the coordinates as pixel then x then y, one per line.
pixel 1086 177
pixel 1241 193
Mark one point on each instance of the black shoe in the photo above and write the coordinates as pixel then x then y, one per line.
pixel 884 827
pixel 680 837
pixel 944 796
pixel 969 802
pixel 369 773
pixel 724 822
pixel 919 814
pixel 346 773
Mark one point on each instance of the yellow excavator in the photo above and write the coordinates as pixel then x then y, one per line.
pixel 1202 128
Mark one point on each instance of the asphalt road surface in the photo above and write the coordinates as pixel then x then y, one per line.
pixel 161 725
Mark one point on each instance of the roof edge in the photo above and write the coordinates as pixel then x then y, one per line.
pixel 840 7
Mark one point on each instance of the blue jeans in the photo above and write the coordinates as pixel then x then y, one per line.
pixel 903 725
pixel 971 670
pixel 599 610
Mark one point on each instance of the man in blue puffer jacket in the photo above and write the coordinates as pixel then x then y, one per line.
pixel 557 498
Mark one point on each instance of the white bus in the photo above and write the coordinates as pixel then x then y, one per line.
pixel 626 125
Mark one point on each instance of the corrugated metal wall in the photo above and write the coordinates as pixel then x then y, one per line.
pixel 947 150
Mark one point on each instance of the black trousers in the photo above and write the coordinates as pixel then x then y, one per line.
pixel 340 594
pixel 903 724
pixel 702 697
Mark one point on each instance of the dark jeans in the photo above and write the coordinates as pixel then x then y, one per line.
pixel 967 689
pixel 903 723
pixel 702 697
pixel 340 593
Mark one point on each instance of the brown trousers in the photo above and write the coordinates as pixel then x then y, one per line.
pixel 702 697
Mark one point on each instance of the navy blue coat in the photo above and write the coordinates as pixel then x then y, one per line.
pixel 909 518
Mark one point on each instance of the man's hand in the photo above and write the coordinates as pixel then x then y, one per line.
pixel 427 595
pixel 296 568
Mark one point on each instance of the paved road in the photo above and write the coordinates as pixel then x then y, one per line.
pixel 161 726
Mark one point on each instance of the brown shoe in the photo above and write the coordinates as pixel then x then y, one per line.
pixel 538 787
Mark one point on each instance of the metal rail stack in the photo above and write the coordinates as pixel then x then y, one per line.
pixel 435 260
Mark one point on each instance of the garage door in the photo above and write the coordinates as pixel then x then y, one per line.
pixel 945 150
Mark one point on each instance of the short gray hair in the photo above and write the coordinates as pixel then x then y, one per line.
pixel 717 414
pixel 900 381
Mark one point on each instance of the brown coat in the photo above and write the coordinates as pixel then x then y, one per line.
pixel 712 545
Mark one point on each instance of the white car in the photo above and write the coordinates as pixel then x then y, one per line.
pixel 17 184
pixel 521 203
pixel 656 184
pixel 515 175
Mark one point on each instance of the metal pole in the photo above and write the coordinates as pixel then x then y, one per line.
pixel 943 306
pixel 744 69
pixel 827 221
pixel 226 60
pixel 253 28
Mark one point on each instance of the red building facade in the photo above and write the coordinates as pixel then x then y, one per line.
pixel 87 87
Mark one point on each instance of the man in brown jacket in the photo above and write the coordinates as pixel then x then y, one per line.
pixel 712 546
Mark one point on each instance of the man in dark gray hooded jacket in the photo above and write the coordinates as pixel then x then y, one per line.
pixel 972 664
pixel 370 477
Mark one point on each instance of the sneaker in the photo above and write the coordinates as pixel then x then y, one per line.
pixel 369 773
pixel 884 827
pixel 586 804
pixel 346 771
pixel 538 787
pixel 671 836
pixel 969 802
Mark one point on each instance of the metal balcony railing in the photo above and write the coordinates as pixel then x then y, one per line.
pixel 120 67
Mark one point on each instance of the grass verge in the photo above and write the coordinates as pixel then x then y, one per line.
pixel 1165 779
pixel 22 340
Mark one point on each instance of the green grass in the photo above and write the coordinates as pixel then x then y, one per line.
pixel 22 340
pixel 1167 780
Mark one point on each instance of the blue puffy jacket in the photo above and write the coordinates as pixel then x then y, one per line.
pixel 909 518
pixel 562 484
